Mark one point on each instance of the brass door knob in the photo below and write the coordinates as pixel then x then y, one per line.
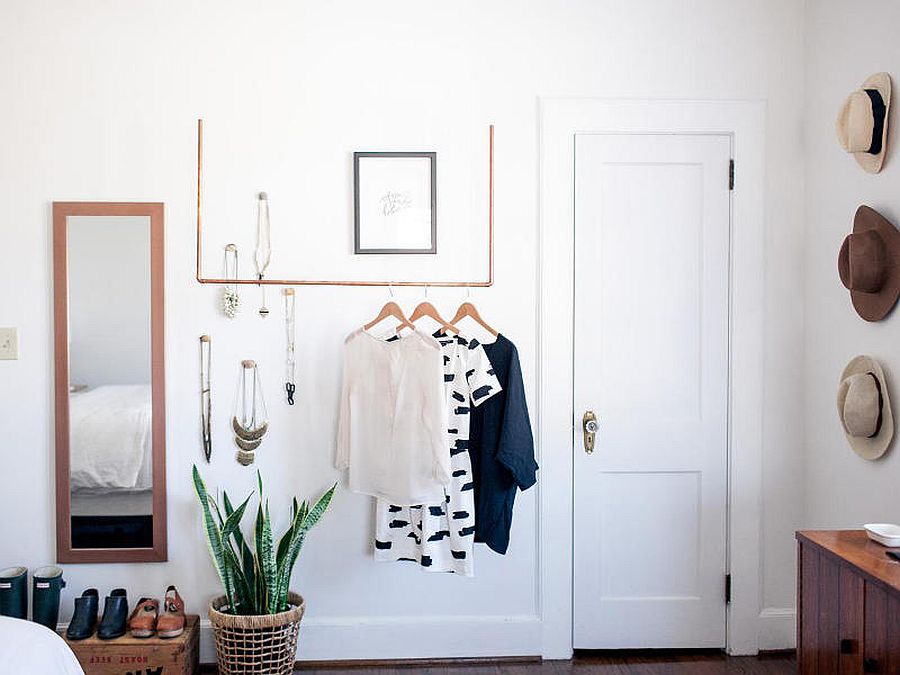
pixel 589 427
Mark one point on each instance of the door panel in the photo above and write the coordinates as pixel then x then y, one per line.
pixel 666 503
pixel 651 347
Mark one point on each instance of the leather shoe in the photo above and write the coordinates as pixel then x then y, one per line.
pixel 84 620
pixel 171 622
pixel 142 622
pixel 115 613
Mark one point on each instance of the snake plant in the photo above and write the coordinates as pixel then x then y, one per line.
pixel 255 580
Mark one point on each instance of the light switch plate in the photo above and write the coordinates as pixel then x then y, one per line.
pixel 9 344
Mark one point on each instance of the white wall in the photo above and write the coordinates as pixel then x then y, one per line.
pixel 109 299
pixel 845 44
pixel 100 102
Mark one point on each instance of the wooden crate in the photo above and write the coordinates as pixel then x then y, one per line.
pixel 141 656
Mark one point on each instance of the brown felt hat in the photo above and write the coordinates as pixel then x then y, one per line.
pixel 869 264
pixel 862 124
pixel 864 408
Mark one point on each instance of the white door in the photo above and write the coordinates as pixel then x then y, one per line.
pixel 652 221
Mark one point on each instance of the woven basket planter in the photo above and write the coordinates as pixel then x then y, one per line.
pixel 256 644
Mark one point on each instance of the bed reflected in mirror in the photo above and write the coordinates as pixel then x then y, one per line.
pixel 110 426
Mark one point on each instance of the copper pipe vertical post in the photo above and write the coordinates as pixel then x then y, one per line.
pixel 199 193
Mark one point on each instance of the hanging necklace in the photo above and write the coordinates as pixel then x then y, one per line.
pixel 289 385
pixel 263 246
pixel 205 395
pixel 250 420
pixel 231 301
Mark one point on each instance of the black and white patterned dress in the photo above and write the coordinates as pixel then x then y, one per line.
pixel 440 537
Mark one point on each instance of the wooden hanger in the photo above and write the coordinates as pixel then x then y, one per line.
pixel 424 309
pixel 467 309
pixel 391 308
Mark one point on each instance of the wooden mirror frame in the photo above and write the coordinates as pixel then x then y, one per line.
pixel 61 212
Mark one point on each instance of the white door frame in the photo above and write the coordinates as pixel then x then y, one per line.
pixel 560 120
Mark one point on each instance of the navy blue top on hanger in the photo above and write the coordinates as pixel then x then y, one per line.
pixel 501 447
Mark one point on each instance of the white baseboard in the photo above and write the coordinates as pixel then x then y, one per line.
pixel 407 638
pixel 374 638
pixel 777 628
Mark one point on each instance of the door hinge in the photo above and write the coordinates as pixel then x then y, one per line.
pixel 727 588
pixel 731 174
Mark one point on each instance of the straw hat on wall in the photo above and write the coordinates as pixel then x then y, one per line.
pixel 864 408
pixel 862 124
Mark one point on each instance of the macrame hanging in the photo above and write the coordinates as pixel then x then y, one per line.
pixel 231 301
pixel 263 246
pixel 205 395
pixel 250 421
pixel 289 385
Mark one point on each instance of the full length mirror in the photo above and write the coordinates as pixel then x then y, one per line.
pixel 110 412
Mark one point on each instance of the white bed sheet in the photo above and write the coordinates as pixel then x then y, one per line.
pixel 112 503
pixel 27 647
pixel 110 438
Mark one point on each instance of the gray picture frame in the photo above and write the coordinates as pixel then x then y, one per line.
pixel 358 249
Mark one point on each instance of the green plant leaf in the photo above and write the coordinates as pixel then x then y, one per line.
pixel 226 503
pixel 233 522
pixel 265 555
pixel 308 519
pixel 244 600
pixel 285 540
pixel 298 512
pixel 283 544
pixel 283 573
pixel 248 563
pixel 214 538
pixel 317 511
pixel 217 512
pixel 255 582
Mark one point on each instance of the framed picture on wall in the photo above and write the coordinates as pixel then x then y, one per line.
pixel 395 202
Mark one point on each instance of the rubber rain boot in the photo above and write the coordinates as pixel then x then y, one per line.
pixel 47 584
pixel 14 592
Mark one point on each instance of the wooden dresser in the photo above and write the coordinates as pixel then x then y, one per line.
pixel 848 605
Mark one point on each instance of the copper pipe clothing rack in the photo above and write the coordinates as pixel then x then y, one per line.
pixel 325 282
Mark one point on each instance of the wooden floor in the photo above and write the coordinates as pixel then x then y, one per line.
pixel 594 664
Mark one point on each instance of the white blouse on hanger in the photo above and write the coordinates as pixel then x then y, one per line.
pixel 392 430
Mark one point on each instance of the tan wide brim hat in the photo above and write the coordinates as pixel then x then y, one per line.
pixel 857 125
pixel 856 408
